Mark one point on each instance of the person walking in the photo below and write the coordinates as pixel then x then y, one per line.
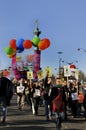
pixel 4 85
pixel 46 95
pixel 56 100
pixel 27 93
pixel 36 96
pixel 73 99
pixel 21 93
pixel 65 97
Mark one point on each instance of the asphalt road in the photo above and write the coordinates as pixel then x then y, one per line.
pixel 25 120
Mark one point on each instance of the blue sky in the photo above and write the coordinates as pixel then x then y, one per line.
pixel 63 22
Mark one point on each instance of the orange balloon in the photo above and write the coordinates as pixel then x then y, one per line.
pixel 42 45
pixel 27 44
pixel 13 44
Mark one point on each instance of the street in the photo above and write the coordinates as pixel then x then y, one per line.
pixel 24 120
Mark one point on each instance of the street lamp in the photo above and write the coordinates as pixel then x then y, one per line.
pixel 59 61
pixel 69 63
pixel 81 49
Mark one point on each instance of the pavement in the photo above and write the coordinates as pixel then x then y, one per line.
pixel 25 120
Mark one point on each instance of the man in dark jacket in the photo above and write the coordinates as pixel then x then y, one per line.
pixel 46 95
pixel 56 91
pixel 4 85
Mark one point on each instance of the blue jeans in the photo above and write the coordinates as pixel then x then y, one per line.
pixel 46 108
pixel 3 105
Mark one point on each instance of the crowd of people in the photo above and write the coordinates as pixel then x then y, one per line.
pixel 43 92
pixel 67 95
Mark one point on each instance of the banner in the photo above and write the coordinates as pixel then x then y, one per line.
pixel 18 58
pixel 48 71
pixel 30 60
pixel 40 74
pixel 14 68
pixel 36 64
pixel 29 75
pixel 67 71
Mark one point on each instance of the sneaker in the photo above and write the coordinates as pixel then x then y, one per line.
pixel 2 120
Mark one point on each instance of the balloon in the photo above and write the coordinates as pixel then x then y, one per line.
pixel 19 44
pixel 13 44
pixel 35 41
pixel 47 41
pixel 72 66
pixel 20 50
pixel 27 44
pixel 10 56
pixel 42 45
pixel 8 50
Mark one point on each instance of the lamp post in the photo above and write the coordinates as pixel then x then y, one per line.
pixel 81 49
pixel 69 63
pixel 60 62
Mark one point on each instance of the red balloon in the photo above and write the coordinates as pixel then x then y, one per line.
pixel 72 66
pixel 27 44
pixel 13 44
pixel 47 41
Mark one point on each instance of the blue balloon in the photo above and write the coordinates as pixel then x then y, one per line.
pixel 20 50
pixel 19 44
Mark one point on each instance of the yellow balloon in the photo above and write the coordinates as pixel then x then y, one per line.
pixel 10 56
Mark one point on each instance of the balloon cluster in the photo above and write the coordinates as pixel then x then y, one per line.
pixel 18 46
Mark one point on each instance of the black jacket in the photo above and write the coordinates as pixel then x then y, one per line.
pixel 4 86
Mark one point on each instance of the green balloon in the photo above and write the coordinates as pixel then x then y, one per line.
pixel 35 41
pixel 8 50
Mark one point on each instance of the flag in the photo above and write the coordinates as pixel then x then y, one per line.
pixel 48 71
pixel 29 75
pixel 40 74
pixel 67 71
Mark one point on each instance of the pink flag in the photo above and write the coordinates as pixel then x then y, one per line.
pixel 14 68
pixel 37 54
